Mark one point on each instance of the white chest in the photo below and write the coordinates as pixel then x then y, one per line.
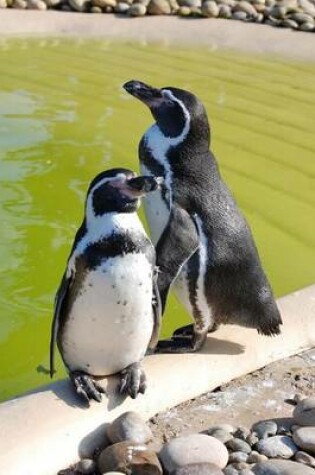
pixel 110 323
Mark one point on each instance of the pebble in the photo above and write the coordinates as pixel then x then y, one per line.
pixel 307 26
pixel 242 433
pixel 86 466
pixel 246 7
pixel 304 412
pixel 195 448
pixel 222 435
pixel 189 3
pixel 239 445
pixel 230 470
pixel 252 439
pixel 289 23
pixel 79 5
pixel 211 10
pixel 304 437
pixel 159 7
pixel 183 11
pixel 303 457
pixel 281 467
pixel 36 5
pixel 225 11
pixel 241 16
pixel 246 471
pixel 277 446
pixel 198 469
pixel 265 429
pixel 121 7
pixel 137 9
pixel 129 457
pixel 129 426
pixel 256 457
pixel 236 457
pixel 226 427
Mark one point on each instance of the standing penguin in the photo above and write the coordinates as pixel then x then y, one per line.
pixel 107 311
pixel 204 244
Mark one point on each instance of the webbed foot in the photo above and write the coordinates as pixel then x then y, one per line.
pixel 182 344
pixel 133 380
pixel 188 331
pixel 86 387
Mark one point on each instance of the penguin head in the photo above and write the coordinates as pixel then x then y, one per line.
pixel 117 191
pixel 177 112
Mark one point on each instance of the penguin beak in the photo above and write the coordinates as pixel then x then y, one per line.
pixel 142 185
pixel 151 96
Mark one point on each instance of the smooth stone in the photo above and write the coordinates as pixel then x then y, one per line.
pixel 189 3
pixel 79 5
pixel 272 22
pixel 277 446
pixel 86 466
pixel 256 457
pixel 278 11
pixel 308 8
pixel 211 10
pixel 159 7
pixel 221 435
pixel 265 429
pixel 246 471
pixel 304 437
pixel 241 466
pixel 284 425
pixel 226 427
pixel 236 457
pixel 260 8
pixel 183 11
pixel 282 467
pixel 194 448
pixel 137 9
pixel 259 18
pixel 287 23
pixel 129 426
pixel 198 469
pixel 225 11
pixel 36 5
pixel 230 3
pixel 242 433
pixel 252 439
pixel 239 445
pixel 122 7
pixel 246 7
pixel 308 26
pixel 128 457
pixel 303 457
pixel 301 18
pixel 241 16
pixel 104 3
pixel 230 470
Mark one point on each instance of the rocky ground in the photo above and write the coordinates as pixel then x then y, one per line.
pixel 260 424
pixel 293 14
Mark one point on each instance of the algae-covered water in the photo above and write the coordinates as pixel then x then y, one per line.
pixel 64 117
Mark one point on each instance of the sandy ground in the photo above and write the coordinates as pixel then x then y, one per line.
pixel 213 33
pixel 264 394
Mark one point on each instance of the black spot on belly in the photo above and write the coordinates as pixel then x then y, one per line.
pixel 113 286
pixel 125 302
pixel 140 284
pixel 118 302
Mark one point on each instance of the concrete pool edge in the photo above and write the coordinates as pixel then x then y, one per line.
pixel 46 431
pixel 167 30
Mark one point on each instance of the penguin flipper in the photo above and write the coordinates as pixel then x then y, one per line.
pixel 176 245
pixel 157 311
pixel 59 304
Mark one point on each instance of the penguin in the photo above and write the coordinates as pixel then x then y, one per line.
pixel 107 308
pixel 205 248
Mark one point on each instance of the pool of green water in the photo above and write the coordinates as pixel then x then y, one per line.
pixel 64 117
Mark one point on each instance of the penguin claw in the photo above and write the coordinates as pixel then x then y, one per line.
pixel 184 344
pixel 86 387
pixel 133 381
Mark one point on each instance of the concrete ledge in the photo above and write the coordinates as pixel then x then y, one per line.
pixel 45 431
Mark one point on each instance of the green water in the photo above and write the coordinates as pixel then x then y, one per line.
pixel 64 117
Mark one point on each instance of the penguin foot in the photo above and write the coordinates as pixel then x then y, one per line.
pixel 86 387
pixel 133 380
pixel 186 344
pixel 188 331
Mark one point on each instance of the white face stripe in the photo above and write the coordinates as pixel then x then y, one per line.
pixel 89 212
pixel 159 144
